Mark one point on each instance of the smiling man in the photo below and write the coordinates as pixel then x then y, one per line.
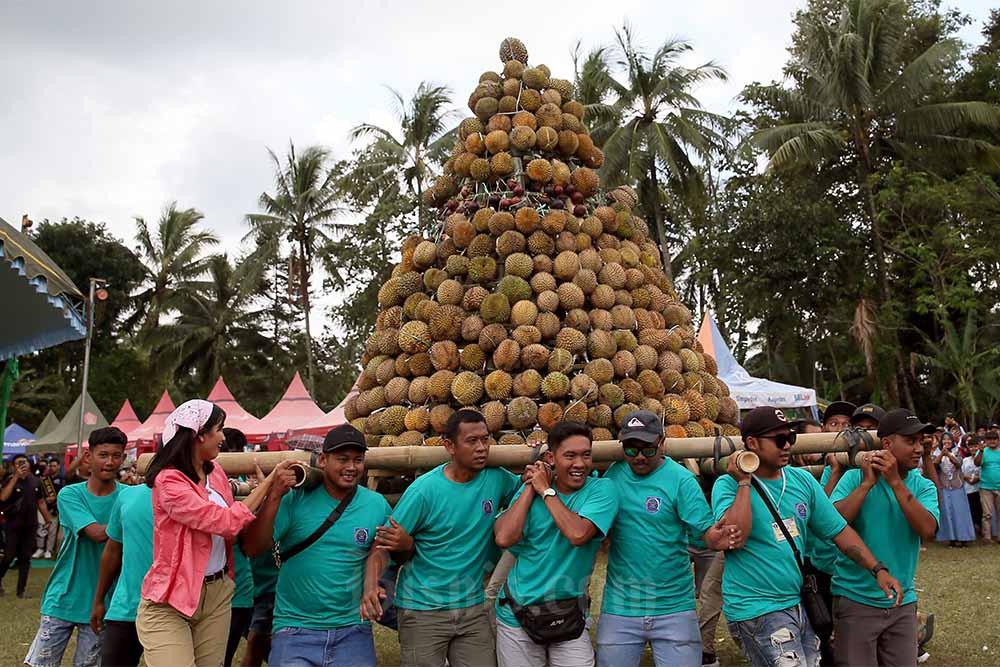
pixel 443 525
pixel 84 512
pixel 324 535
pixel 554 526
pixel 660 503
pixel 893 507
pixel 762 581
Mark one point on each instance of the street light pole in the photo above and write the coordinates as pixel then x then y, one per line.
pixel 86 364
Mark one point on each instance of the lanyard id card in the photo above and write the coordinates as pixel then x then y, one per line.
pixel 790 526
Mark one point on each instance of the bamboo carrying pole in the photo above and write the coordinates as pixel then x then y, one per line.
pixel 404 459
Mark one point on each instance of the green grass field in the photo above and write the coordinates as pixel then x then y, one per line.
pixel 961 587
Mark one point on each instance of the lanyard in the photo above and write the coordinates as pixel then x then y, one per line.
pixel 777 505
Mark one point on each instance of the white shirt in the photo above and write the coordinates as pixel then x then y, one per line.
pixel 970 469
pixel 217 559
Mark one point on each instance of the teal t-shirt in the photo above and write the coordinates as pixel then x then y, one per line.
pixel 265 574
pixel 763 576
pixel 989 476
pixel 452 529
pixel 243 595
pixel 69 592
pixel 649 570
pixel 822 553
pixel 320 588
pixel 548 566
pixel 882 526
pixel 131 525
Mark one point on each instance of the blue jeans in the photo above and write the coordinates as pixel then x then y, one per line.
pixel 674 638
pixel 778 639
pixel 50 642
pixel 302 647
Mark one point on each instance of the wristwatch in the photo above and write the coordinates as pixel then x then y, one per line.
pixel 879 566
pixel 548 493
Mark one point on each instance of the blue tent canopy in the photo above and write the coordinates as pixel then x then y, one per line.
pixel 15 439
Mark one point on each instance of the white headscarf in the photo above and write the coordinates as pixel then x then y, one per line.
pixel 191 414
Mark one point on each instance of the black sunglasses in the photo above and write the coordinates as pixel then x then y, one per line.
pixel 781 439
pixel 648 452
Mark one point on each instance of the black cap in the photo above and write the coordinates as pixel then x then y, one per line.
pixel 761 420
pixel 978 439
pixel 641 425
pixel 343 436
pixel 839 408
pixel 902 422
pixel 868 411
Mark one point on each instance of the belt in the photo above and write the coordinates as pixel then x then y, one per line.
pixel 209 578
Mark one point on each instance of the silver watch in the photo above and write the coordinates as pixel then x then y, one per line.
pixel 548 492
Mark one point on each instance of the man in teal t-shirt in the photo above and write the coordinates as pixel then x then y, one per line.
pixel 554 527
pixel 988 458
pixel 84 512
pixel 317 617
pixel 762 581
pixel 128 553
pixel 444 524
pixel 659 504
pixel 893 507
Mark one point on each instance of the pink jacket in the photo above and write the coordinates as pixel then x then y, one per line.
pixel 184 520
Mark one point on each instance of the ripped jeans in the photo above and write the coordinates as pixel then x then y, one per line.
pixel 778 639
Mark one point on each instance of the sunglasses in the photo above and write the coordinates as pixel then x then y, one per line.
pixel 781 439
pixel 648 452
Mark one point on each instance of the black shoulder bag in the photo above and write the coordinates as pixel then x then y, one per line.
pixel 282 555
pixel 550 621
pixel 812 601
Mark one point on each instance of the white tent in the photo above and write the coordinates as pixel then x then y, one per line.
pixel 749 392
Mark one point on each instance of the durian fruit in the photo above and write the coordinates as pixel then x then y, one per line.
pixel 540 298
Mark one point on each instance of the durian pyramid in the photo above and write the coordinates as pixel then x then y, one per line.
pixel 541 298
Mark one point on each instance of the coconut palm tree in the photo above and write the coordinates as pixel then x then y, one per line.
pixel 857 101
pixel 424 141
pixel 663 128
pixel 217 324
pixel 299 214
pixel 172 257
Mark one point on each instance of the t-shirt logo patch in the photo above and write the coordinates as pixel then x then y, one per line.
pixel 653 504
pixel 800 509
pixel 487 507
pixel 361 536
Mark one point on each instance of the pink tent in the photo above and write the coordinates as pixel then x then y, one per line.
pixel 236 416
pixel 294 411
pixel 127 420
pixel 334 417
pixel 152 428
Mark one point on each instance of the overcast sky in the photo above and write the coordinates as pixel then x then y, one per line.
pixel 112 109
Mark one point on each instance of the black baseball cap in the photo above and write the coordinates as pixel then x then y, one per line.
pixel 763 419
pixel 839 408
pixel 343 436
pixel 868 411
pixel 641 425
pixel 902 422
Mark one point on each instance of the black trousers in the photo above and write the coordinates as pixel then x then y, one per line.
pixel 238 626
pixel 823 581
pixel 121 646
pixel 20 545
pixel 976 507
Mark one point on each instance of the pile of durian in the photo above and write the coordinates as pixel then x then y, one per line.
pixel 541 299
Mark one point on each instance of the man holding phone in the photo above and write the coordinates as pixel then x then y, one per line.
pixel 22 499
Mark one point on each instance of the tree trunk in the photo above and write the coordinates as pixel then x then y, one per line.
pixel 658 222
pixel 304 290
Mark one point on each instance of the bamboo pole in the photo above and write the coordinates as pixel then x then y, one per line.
pixel 403 459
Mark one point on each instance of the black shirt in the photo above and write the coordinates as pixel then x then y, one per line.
pixel 21 509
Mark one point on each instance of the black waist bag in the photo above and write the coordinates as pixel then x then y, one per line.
pixel 551 621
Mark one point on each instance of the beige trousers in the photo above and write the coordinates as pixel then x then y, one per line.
pixel 990 501
pixel 710 602
pixel 170 639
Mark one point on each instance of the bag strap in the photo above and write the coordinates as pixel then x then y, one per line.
pixel 717 447
pixel 781 524
pixel 282 555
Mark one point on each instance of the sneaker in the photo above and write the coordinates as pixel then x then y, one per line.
pixel 38 553
pixel 24 595
pixel 709 660
pixel 47 555
pixel 923 657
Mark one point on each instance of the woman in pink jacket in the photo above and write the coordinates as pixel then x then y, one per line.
pixel 183 617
